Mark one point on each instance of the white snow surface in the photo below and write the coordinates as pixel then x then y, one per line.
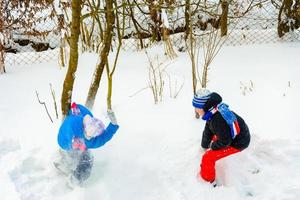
pixel 156 152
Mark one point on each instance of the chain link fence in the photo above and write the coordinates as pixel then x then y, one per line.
pixel 259 26
pixel 32 42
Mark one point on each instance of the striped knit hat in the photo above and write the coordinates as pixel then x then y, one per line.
pixel 201 97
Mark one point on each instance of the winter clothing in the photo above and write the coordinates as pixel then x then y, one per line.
pixel 219 127
pixel 200 98
pixel 76 164
pixel 229 128
pixel 72 128
pixel 112 117
pixel 78 144
pixel 214 100
pixel 79 132
pixel 225 133
pixel 75 109
pixel 93 127
pixel 227 115
pixel 209 159
pixel 84 167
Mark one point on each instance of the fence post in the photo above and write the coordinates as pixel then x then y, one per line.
pixel 2 66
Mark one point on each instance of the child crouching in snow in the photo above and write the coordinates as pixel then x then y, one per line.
pixel 79 132
pixel 225 132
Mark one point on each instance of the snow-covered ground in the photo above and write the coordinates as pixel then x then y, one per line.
pixel 156 152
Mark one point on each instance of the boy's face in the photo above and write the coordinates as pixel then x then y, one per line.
pixel 200 111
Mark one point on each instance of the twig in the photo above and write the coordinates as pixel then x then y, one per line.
pixel 139 91
pixel 178 91
pixel 43 103
pixel 54 100
pixel 175 93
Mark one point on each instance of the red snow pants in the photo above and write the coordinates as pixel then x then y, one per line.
pixel 207 166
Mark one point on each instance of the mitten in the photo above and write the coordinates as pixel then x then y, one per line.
pixel 78 144
pixel 112 117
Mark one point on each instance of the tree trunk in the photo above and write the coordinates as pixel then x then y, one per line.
pixel 192 43
pixel 2 63
pixel 66 96
pixel 110 19
pixel 288 17
pixel 61 23
pixel 187 16
pixel 135 24
pixel 109 93
pixel 194 79
pixel 204 76
pixel 224 18
pixel 120 32
pixel 155 15
pixel 193 59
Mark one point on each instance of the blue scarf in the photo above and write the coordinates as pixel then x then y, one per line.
pixel 228 116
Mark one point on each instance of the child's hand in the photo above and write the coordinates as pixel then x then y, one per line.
pixel 112 117
pixel 203 150
pixel 78 144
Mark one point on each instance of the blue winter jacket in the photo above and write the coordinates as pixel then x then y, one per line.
pixel 72 127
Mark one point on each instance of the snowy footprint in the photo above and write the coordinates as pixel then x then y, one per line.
pixel 8 146
pixel 29 179
pixel 262 171
pixel 35 178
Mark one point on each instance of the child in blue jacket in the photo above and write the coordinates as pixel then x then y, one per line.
pixel 79 132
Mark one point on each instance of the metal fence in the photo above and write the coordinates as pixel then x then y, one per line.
pixel 257 27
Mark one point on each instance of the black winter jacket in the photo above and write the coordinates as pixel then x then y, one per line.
pixel 219 127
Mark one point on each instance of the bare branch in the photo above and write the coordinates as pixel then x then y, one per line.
pixel 43 103
pixel 139 91
pixel 54 100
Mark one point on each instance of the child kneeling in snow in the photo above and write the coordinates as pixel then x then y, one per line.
pixel 79 132
pixel 225 132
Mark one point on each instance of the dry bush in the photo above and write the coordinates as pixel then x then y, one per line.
pixel 156 78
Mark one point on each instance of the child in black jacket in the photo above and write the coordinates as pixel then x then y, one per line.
pixel 225 132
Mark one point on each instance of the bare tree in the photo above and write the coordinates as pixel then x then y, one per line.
pixel 191 44
pixel 224 17
pixel 288 17
pixel 110 20
pixel 212 42
pixel 61 29
pixel 187 16
pixel 155 16
pixel 156 78
pixel 135 24
pixel 169 50
pixel 22 17
pixel 73 59
pixel 91 29
pixel 120 26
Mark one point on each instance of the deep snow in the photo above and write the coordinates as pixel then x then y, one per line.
pixel 156 152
